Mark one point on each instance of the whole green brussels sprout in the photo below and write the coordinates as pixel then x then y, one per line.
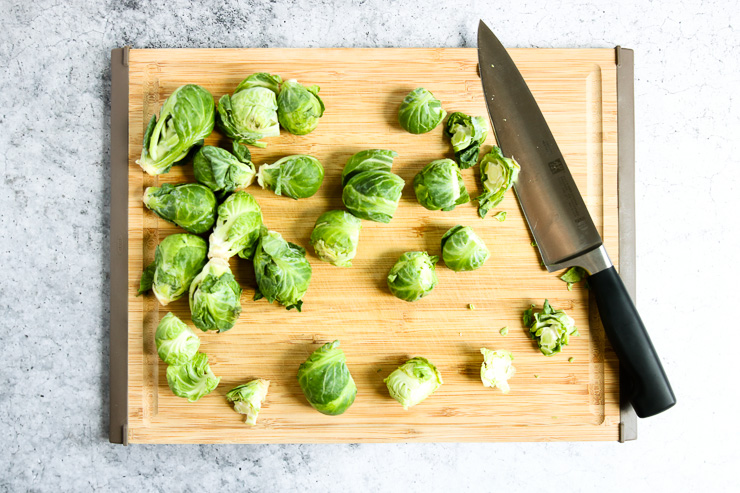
pixel 467 134
pixel 335 236
pixel 297 177
pixel 420 112
pixel 463 250
pixel 326 381
pixel 281 270
pixel 188 205
pixel 370 159
pixel 250 114
pixel 193 379
pixel 550 328
pixel 497 175
pixel 237 227
pixel 439 185
pixel 176 342
pixel 215 297
pixel 413 276
pixel 373 195
pixel 299 107
pixel 413 381
pixel 222 171
pixel 248 398
pixel 185 120
pixel 177 260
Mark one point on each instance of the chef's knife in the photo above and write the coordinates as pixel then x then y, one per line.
pixel 560 223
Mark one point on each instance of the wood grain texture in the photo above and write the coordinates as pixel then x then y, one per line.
pixel 362 89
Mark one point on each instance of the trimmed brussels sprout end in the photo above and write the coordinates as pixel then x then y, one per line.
pixel 550 328
pixel 248 399
pixel 497 369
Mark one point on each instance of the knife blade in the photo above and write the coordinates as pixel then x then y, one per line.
pixel 560 222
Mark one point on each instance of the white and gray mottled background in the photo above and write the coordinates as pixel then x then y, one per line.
pixel 54 217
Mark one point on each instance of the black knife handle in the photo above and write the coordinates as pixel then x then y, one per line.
pixel 651 392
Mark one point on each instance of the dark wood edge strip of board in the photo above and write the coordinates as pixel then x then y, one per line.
pixel 625 59
pixel 119 247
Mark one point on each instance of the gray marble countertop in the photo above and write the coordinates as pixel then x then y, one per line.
pixel 54 217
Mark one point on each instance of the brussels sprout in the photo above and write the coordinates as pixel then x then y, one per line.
pixel 176 342
pixel 177 260
pixel 413 276
pixel 371 159
pixel 297 177
pixel 467 134
pixel 497 175
pixel 550 328
pixel 413 381
pixel 222 171
pixel 573 276
pixel 373 195
pixel 335 237
pixel 185 119
pixel 189 205
pixel 281 270
pixel 248 398
pixel 326 381
pixel 440 186
pixel 237 227
pixel 250 114
pixel 299 107
pixel 215 297
pixel 420 112
pixel 497 369
pixel 463 250
pixel 193 379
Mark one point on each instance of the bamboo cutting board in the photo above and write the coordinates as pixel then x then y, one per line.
pixel 550 398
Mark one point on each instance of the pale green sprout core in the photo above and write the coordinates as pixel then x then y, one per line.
pixel 413 381
pixel 248 399
pixel 497 369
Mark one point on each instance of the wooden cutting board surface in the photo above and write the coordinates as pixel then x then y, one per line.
pixel 550 398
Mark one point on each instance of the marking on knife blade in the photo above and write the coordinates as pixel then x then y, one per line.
pixel 556 166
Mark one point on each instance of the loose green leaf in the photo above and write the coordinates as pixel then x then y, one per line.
pixel 299 107
pixel 471 306
pixel 189 205
pixel 147 279
pixel 237 227
pixel 497 369
pixel 500 216
pixel 281 270
pixel 413 381
pixel 439 185
pixel 574 275
pixel 248 399
pixel 373 195
pixel 222 171
pixel 215 297
pixel 326 381
pixel 335 237
pixel 467 133
pixel 463 250
pixel 176 342
pixel 550 328
pixel 413 276
pixel 504 331
pixel 185 119
pixel 251 113
pixel 497 174
pixel 420 112
pixel 193 379
pixel 297 177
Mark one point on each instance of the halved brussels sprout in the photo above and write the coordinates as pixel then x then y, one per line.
pixel 215 297
pixel 248 399
pixel 463 250
pixel 497 369
pixel 420 111
pixel 281 270
pixel 176 342
pixel 467 134
pixel 413 381
pixel 185 119
pixel 188 205
pixel 237 227
pixel 299 107
pixel 335 237
pixel 193 379
pixel 222 171
pixel 373 195
pixel 177 260
pixel 297 177
pixel 439 185
pixel 550 328
pixel 326 381
pixel 250 114
pixel 371 159
pixel 497 175
pixel 413 276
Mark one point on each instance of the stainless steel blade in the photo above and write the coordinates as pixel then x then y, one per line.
pixel 553 206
